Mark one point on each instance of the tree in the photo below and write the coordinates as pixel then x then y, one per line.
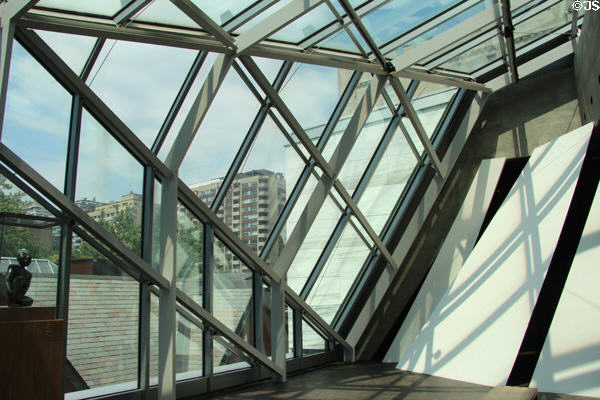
pixel 13 238
pixel 123 226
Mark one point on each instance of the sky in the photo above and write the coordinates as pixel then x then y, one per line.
pixel 139 83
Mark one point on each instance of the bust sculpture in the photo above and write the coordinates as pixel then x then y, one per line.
pixel 17 280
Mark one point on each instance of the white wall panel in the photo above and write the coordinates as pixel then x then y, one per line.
pixel 454 251
pixel 570 359
pixel 476 330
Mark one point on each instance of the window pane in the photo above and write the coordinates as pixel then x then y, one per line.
pixel 73 49
pixel 99 7
pixel 363 149
pixel 397 17
pixel 109 176
pixel 188 349
pixel 306 25
pixel 36 121
pixel 218 138
pixel 312 342
pixel 165 12
pixel 189 253
pixel 313 244
pixel 311 93
pixel 339 273
pixel 102 342
pixel 226 357
pixel 232 286
pixel 139 82
pixel 258 193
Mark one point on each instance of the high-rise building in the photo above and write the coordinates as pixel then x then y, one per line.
pixel 250 209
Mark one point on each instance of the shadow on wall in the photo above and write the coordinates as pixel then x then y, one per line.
pixel 525 115
pixel 533 253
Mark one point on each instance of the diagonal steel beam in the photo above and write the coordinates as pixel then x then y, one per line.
pixel 9 13
pixel 198 111
pixel 323 187
pixel 210 26
pixel 416 123
pixel 275 22
pixel 364 32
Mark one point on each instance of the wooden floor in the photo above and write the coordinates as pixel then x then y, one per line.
pixel 373 381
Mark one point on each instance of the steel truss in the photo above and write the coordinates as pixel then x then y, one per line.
pixel 19 18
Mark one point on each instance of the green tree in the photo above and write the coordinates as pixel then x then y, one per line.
pixel 13 238
pixel 123 226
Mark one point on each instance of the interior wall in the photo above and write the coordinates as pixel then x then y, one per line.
pixel 570 358
pixel 514 121
pixel 454 252
pixel 587 67
pixel 475 332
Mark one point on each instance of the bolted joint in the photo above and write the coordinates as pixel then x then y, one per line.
pixel 389 68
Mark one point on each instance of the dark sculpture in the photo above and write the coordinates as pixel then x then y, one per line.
pixel 17 280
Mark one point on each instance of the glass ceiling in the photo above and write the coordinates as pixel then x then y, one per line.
pixel 288 117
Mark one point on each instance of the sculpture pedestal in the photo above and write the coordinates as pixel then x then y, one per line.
pixel 31 345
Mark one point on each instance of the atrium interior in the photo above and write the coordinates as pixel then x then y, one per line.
pixel 219 194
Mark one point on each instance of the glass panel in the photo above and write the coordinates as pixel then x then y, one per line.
pixel 289 326
pixel 189 253
pixel 306 25
pixel 154 307
pixel 188 346
pixel 339 273
pixel 232 285
pixel 312 342
pixel 393 19
pixel 188 349
pixel 102 343
pixel 262 16
pixel 164 12
pixel 439 29
pixel 219 138
pixel 225 358
pixel 156 225
pixel 311 92
pixel 112 178
pixel 139 82
pixel 258 194
pixel 36 120
pixel 73 49
pixel 476 57
pixel 363 149
pixel 542 24
pixel 29 226
pixel 99 7
pixel 222 11
pixel 387 182
pixel 268 66
pixel 313 244
pixel 339 41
